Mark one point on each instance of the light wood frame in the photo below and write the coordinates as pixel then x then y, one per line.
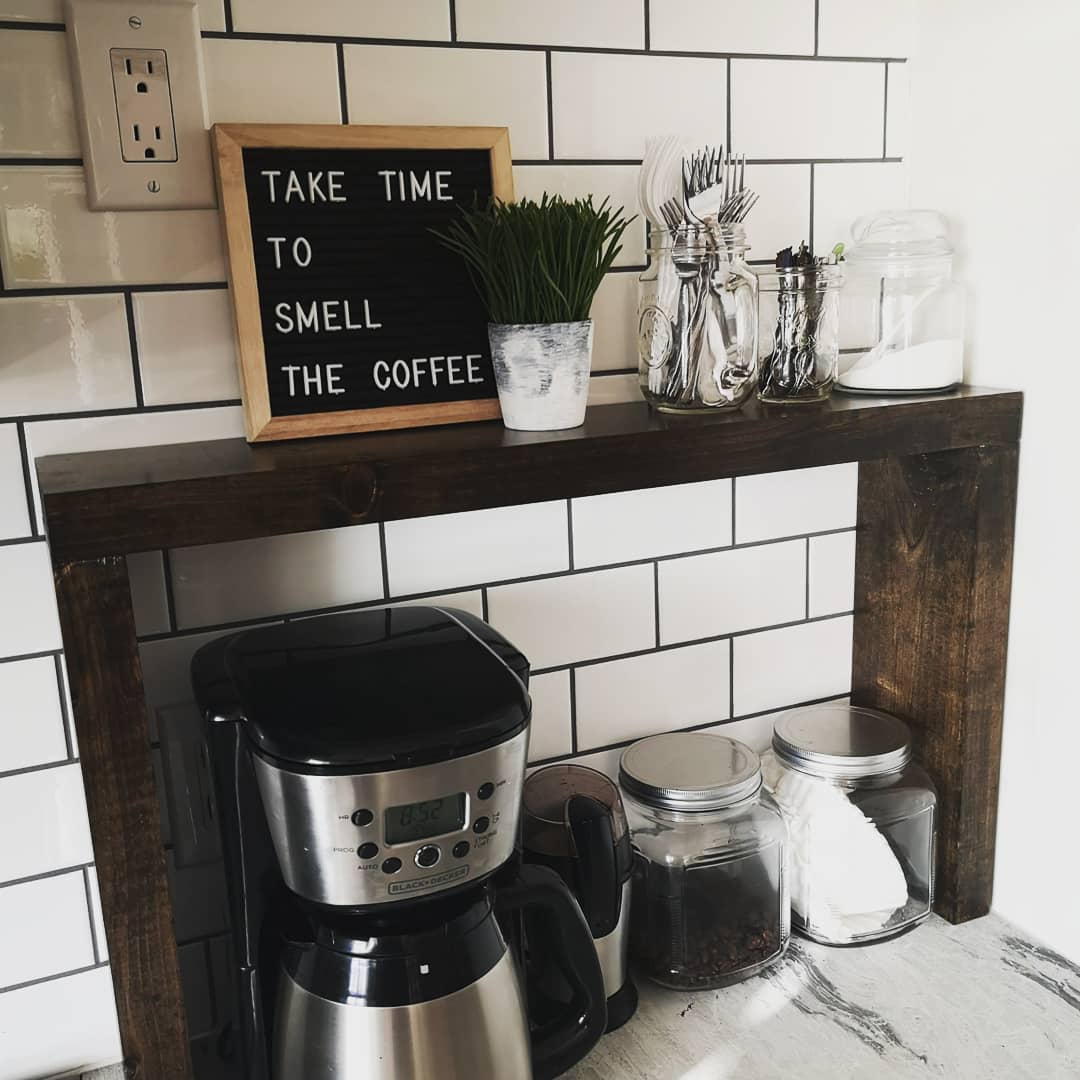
pixel 230 140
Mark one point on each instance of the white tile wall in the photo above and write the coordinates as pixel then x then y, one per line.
pixel 707 595
pixel 606 106
pixel 49 237
pixel 832 573
pixel 35 86
pixel 796 663
pixel 472 601
pixel 271 82
pixel 643 695
pixel 840 109
pixel 403 85
pixel 211 12
pixel 613 24
pixel 14 514
pixel 550 735
pixel 855 28
pixel 44 928
pixel 628 525
pixel 43 823
pixel 276 574
pixel 775 26
pixel 186 350
pixel 896 131
pixel 146 572
pixel 59 1025
pixel 97 921
pixel 782 216
pixel 561 620
pixel 796 502
pixel 31 723
pixel 74 354
pixel 614 314
pixel 28 619
pixel 614 390
pixel 425 554
pixel 843 193
pixel 419 19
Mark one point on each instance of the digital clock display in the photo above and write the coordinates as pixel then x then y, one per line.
pixel 420 820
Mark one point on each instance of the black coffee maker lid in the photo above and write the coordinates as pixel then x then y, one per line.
pixel 365 690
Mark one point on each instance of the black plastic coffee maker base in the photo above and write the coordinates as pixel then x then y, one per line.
pixel 621 1005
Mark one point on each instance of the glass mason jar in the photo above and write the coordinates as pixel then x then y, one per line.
pixel 710 900
pixel 902 314
pixel 697 320
pixel 861 821
pixel 799 335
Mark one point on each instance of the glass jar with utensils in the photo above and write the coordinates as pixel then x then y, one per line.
pixel 902 312
pixel 861 819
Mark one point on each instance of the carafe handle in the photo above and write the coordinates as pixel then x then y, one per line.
pixel 567 1039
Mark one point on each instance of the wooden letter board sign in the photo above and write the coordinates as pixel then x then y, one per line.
pixel 350 315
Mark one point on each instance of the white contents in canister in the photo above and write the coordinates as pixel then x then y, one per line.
pixel 930 365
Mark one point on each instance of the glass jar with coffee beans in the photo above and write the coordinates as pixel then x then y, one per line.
pixel 710 896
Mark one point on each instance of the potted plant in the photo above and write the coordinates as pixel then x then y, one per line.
pixel 537 267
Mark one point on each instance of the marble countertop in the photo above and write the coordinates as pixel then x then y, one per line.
pixel 970 1002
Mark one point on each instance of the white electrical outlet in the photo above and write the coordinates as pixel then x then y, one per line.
pixel 138 74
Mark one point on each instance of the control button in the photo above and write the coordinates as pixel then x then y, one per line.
pixel 480 825
pixel 485 791
pixel 361 818
pixel 428 855
pixel 391 865
pixel 367 851
pixel 461 849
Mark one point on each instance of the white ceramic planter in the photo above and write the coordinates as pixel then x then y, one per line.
pixel 542 373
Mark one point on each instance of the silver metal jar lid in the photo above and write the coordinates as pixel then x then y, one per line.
pixel 689 770
pixel 841 742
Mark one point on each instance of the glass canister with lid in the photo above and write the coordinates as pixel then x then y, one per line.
pixel 710 901
pixel 901 314
pixel 861 819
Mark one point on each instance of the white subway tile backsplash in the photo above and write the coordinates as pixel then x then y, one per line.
pixel 43 823
pixel 96 917
pixel 276 574
pixel 31 723
pixel 389 84
pixel 840 108
pixel 186 350
pixel 898 110
pixel 628 525
pixel 425 554
pixel 644 695
pixel 32 10
pixel 843 193
pixel 146 572
pixel 755 731
pixel 614 315
pixel 60 1025
pixel 781 217
pixel 14 511
pixel 37 115
pixel 606 106
pixel 605 761
pixel 550 730
pixel 832 573
pixel 420 19
pixel 614 390
pixel 619 182
pixel 72 353
pixel 791 503
pixel 31 914
pixel 212 14
pixel 28 619
pixel 280 82
pixel 856 28
pixel 707 595
pixel 613 24
pixel 777 26
pixel 472 601
pixel 777 668
pixel 200 901
pixel 558 621
pixel 49 237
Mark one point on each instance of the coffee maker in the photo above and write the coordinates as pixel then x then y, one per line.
pixel 368 769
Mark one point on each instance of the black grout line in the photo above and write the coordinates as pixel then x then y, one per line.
pixel 65 714
pixel 52 162
pixel 129 410
pixel 136 374
pixel 341 83
pixel 573 711
pixel 170 596
pixel 453 20
pixel 810 239
pixel 28 480
pixel 384 561
pixel 579 161
pixel 656 601
pixel 51 978
pixel 20 541
pixel 648 27
pixel 550 105
pixel 44 767
pixel 484 604
pixel 16 24
pixel 731 677
pixel 113 290
pixel 476 586
pixel 734 534
pixel 885 118
pixel 817 24
pixel 228 17
pixel 727 120
pixel 29 656
pixel 807 582
pixel 638 268
pixel 60 871
pixel 90 916
pixel 570 532
pixel 208 960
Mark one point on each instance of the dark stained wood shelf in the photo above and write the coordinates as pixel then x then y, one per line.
pixel 933 566
pixel 206 492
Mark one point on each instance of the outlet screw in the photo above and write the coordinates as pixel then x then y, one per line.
pixel 135 22
pixel 153 187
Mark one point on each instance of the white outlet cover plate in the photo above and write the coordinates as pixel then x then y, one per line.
pixel 94 27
